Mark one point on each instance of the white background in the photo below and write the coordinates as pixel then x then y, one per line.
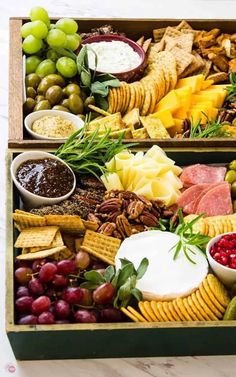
pixel 224 366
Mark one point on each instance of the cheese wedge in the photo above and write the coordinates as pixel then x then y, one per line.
pixel 170 102
pixel 194 81
pixel 165 278
pixel 165 117
pixel 206 84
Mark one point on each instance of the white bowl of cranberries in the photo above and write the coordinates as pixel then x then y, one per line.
pixel 221 254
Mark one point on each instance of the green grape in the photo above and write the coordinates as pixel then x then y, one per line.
pixel 39 13
pixel 52 26
pixel 26 29
pixel 32 63
pixel 39 29
pixel 56 38
pixel 73 41
pixel 31 45
pixel 52 54
pixel 67 25
pixel 46 67
pixel 66 67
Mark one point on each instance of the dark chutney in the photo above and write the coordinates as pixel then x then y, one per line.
pixel 46 177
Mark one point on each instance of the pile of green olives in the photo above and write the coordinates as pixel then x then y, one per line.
pixel 230 177
pixel 52 92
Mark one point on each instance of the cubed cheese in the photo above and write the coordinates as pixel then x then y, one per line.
pixel 206 84
pixel 165 117
pixel 170 102
pixel 194 81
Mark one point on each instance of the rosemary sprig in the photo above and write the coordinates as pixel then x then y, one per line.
pixel 188 238
pixel 88 153
pixel 211 129
pixel 231 89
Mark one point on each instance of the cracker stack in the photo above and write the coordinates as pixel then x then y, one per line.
pixel 214 225
pixel 207 303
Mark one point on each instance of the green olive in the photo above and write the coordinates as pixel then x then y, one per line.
pixel 65 102
pixel 76 105
pixel 72 89
pixel 32 80
pixel 232 165
pixel 233 190
pixel 61 108
pixel 49 81
pixel 31 92
pixel 29 105
pixel 89 101
pixel 42 105
pixel 230 176
pixel 54 94
pixel 39 98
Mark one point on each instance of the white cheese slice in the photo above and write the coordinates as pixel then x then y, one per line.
pixel 165 278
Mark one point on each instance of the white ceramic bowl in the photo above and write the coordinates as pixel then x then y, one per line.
pixel 32 117
pixel 226 274
pixel 31 200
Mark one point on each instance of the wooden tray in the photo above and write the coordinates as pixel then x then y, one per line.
pixel 133 28
pixel 30 342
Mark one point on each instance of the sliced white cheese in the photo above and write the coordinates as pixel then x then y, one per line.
pixel 165 278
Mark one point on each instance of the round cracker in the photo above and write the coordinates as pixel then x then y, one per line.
pixel 173 311
pixel 180 314
pixel 123 90
pixel 126 97
pixel 212 297
pixel 119 99
pixel 156 311
pixel 110 101
pixel 218 290
pixel 114 94
pixel 136 314
pixel 144 312
pixel 209 302
pixel 199 307
pixel 181 307
pixel 130 315
pixel 205 307
pixel 149 310
pixel 147 100
pixel 132 98
pixel 189 310
pixel 194 309
pixel 161 310
pixel 142 95
pixel 168 312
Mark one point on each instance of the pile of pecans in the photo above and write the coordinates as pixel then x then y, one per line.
pixel 123 213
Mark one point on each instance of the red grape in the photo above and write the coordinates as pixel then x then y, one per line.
pixel 82 260
pixel 62 309
pixel 36 287
pixel 112 315
pixel 85 316
pixel 28 320
pixel 73 295
pixel 51 293
pixel 22 291
pixel 96 265
pixel 87 299
pixel 37 264
pixel 60 281
pixel 66 267
pixel 23 304
pixel 104 293
pixel 40 305
pixel 47 272
pixel 46 318
pixel 23 275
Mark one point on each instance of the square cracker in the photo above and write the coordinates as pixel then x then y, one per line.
pixel 57 241
pixel 155 128
pixel 183 59
pixel 36 236
pixel 67 223
pixel 26 220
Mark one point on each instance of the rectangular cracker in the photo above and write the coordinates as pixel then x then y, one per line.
pixel 67 223
pixel 36 236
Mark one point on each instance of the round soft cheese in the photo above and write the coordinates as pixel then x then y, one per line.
pixel 165 278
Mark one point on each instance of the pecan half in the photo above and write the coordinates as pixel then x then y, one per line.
pixel 113 215
pixel 147 202
pixel 137 228
pixel 109 205
pixel 148 219
pixel 135 209
pixel 117 234
pixel 94 218
pixel 123 226
pixel 107 229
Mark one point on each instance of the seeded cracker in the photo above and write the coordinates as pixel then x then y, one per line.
pixel 144 312
pixel 41 254
pixel 36 236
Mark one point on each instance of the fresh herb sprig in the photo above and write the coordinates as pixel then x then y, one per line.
pixel 231 89
pixel 123 280
pixel 188 238
pixel 87 153
pixel 211 129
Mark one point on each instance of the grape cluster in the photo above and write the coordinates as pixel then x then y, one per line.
pixel 49 292
pixel 39 34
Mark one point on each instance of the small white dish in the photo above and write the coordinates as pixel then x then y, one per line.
pixel 31 200
pixel 32 117
pixel 225 274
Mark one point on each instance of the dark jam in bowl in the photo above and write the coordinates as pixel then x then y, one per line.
pixel 45 177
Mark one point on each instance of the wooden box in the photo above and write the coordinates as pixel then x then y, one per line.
pixel 133 28
pixel 128 339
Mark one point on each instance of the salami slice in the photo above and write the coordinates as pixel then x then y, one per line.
pixel 191 194
pixel 216 201
pixel 199 173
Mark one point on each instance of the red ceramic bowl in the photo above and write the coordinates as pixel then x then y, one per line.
pixel 128 76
